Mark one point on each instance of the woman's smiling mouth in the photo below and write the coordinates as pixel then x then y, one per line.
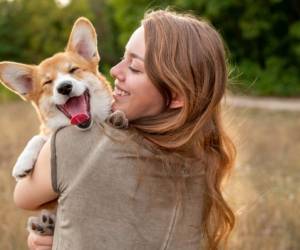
pixel 119 92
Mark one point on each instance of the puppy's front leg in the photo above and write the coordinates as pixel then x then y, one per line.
pixel 29 156
pixel 118 119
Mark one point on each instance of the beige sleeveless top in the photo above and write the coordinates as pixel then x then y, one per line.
pixel 117 193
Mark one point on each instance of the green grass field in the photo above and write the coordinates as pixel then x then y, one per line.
pixel 263 189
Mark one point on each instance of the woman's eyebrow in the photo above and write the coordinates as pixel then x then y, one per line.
pixel 136 56
pixel 133 55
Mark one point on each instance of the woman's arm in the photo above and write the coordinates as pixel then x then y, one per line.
pixel 36 189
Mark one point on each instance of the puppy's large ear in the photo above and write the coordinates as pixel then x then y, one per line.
pixel 17 77
pixel 83 40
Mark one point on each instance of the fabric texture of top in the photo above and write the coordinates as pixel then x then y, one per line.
pixel 118 192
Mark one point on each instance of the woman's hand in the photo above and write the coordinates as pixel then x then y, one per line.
pixel 38 242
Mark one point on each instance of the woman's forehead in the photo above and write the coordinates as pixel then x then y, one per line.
pixel 136 43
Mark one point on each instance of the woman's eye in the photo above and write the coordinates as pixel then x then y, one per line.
pixel 134 70
pixel 72 70
pixel 47 82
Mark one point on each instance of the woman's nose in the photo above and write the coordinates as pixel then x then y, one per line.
pixel 117 72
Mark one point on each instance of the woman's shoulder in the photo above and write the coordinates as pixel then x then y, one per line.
pixel 103 134
pixel 96 130
pixel 110 141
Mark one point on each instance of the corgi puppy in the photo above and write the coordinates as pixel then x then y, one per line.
pixel 64 89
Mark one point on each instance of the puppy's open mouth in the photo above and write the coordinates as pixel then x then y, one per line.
pixel 77 109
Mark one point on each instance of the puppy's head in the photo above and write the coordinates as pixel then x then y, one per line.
pixel 67 87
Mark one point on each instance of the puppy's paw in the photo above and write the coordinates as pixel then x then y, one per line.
pixel 23 167
pixel 118 119
pixel 26 160
pixel 43 224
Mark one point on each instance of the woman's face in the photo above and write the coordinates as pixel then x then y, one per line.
pixel 134 94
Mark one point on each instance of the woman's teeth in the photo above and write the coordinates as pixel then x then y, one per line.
pixel 120 92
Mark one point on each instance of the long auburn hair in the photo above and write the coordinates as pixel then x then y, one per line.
pixel 185 56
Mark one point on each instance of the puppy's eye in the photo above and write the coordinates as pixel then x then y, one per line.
pixel 73 70
pixel 47 82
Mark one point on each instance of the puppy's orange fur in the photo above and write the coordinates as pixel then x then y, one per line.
pixel 38 80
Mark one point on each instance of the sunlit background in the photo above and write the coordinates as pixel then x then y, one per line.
pixel 263 41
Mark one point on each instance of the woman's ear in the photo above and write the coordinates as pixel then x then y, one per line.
pixel 176 102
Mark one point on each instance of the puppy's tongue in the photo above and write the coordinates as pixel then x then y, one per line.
pixel 77 109
pixel 78 119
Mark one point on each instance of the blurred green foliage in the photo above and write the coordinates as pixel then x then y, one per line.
pixel 263 37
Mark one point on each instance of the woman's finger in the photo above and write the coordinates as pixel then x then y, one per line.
pixel 43 248
pixel 38 242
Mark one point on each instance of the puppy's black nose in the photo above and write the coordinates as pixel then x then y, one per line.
pixel 65 88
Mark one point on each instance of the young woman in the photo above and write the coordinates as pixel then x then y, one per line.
pixel 157 184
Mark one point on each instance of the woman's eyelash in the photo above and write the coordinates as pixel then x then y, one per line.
pixel 133 70
pixel 130 67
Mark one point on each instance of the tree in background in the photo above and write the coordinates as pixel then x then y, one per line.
pixel 31 30
pixel 263 36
